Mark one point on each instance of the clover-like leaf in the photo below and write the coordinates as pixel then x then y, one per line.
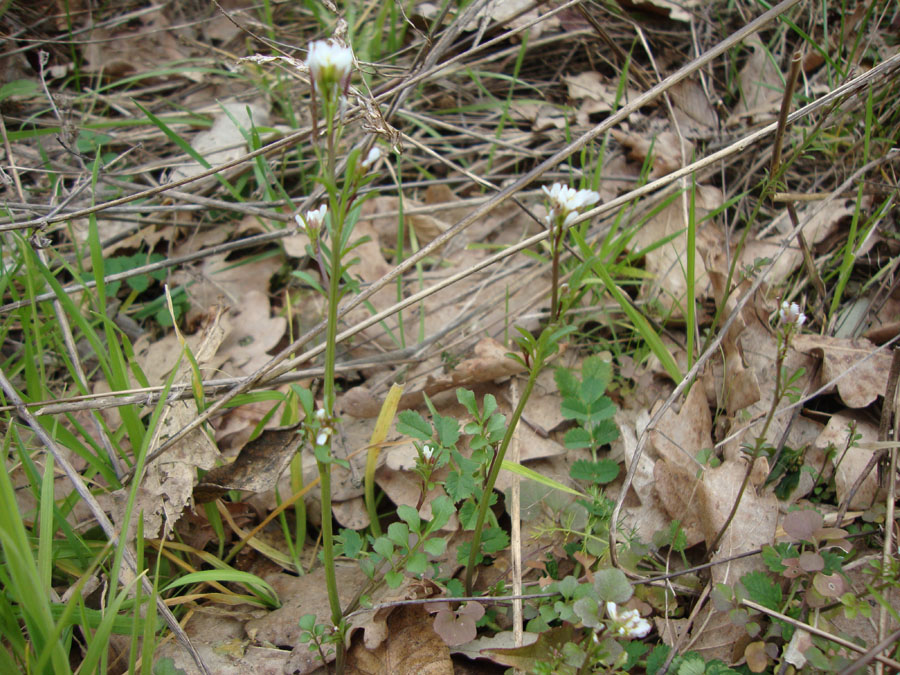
pixel 802 525
pixel 829 585
pixel 810 561
pixel 612 585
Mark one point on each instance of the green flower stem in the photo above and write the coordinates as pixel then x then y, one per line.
pixel 495 471
pixel 334 280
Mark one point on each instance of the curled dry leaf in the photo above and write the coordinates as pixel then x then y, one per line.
pixel 256 468
pixel 411 647
pixel 860 373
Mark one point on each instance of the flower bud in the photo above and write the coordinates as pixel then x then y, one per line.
pixel 330 64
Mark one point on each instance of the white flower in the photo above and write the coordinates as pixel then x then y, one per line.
pixel 329 64
pixel 313 219
pixel 320 413
pixel 427 452
pixel 628 623
pixel 568 202
pixel 372 157
pixel 322 438
pixel 790 313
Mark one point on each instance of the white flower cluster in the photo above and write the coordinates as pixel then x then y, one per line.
pixel 566 202
pixel 329 63
pixel 628 623
pixel 790 313
pixel 313 219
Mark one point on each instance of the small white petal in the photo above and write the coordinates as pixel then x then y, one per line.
pixel 320 413
pixel 372 157
pixel 322 438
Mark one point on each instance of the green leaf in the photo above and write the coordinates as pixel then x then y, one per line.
pixel 399 534
pixel 494 539
pixel 490 405
pixel 657 658
pixel 459 486
pixel 566 382
pixel 435 547
pixel 166 666
pixel 693 664
pixel 411 423
pixel 597 368
pixel 604 433
pixel 573 409
pixel 393 579
pixel 466 397
pixel 447 430
pixel 19 88
pixel 577 437
pixel 588 611
pixel 612 585
pixel 600 410
pixel 600 472
pixel 383 547
pixel 441 510
pixel 352 543
pixel 762 589
pixel 417 563
pixel 259 587
pixel 411 516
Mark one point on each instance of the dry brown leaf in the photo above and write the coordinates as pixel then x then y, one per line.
pixel 218 278
pixel 753 527
pixel 758 345
pixel 739 384
pixel 760 82
pixel 302 595
pixel 351 513
pixel 252 332
pixel 167 484
pixel 371 266
pixel 677 439
pixel 257 467
pixel 411 648
pixel 220 640
pixel 490 363
pixel 696 116
pixel 224 141
pixel 817 225
pixel 665 148
pixel 502 640
pixel 861 374
pixel 850 462
pixel 116 52
pixel 596 93
pixel 404 487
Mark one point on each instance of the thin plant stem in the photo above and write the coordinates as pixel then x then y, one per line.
pixel 495 471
